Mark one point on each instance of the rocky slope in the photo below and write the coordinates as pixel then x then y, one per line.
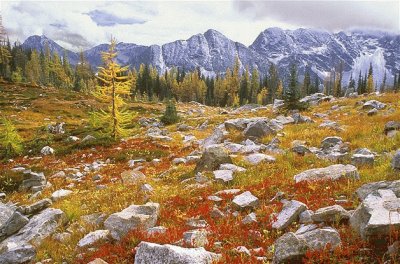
pixel 213 52
pixel 246 185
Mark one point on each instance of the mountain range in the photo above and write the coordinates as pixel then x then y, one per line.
pixel 213 52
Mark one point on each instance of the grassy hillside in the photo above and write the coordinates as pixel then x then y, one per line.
pixel 180 198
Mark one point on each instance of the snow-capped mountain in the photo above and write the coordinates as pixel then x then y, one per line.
pixel 39 43
pixel 213 52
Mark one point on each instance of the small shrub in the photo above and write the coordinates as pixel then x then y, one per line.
pixel 170 116
pixel 10 140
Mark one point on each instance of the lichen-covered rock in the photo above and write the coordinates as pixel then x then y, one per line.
pixel 245 200
pixel 223 175
pixel 371 187
pixel 333 172
pixel 93 238
pixel 289 248
pixel 289 213
pixel 377 216
pixel 212 158
pixel 258 129
pixel 292 247
pixel 363 156
pixel 396 160
pixel 16 253
pixel 330 214
pixel 256 158
pixel 132 217
pixel 150 253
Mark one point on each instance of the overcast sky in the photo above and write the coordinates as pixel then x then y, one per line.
pixel 76 25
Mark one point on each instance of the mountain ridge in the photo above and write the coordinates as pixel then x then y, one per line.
pixel 213 52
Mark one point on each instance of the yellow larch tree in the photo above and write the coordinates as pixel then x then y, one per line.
pixel 115 86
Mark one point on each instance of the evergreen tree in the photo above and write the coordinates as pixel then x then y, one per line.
pixel 244 88
pixel 279 91
pixel 33 68
pixel 383 85
pixel 272 83
pixel 10 140
pixel 352 84
pixel 114 86
pixel 359 84
pixel 170 115
pixel 370 82
pixel 307 82
pixel 254 86
pixel 292 95
pixel 315 87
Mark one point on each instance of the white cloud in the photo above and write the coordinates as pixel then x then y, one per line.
pixel 164 21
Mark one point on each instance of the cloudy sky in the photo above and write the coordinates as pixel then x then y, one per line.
pixel 78 24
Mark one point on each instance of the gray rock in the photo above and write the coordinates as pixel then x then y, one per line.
pixel 184 127
pixel 329 142
pixel 47 150
pixel 256 158
pixel 93 238
pixel 156 230
pixel 334 213
pixel 60 194
pixel 195 238
pixel 57 128
pixel 250 219
pixel 331 125
pixel 301 149
pixel 132 176
pixel 363 157
pixel 39 227
pixel 73 139
pixel 95 219
pixel 12 253
pixel 33 179
pixel 372 187
pixel 13 224
pixel 319 238
pixel 372 112
pixel 374 104
pixel 290 213
pixel 196 223
pixel 392 126
pixel 278 104
pixel 333 172
pixel 236 124
pixel 245 200
pixel 305 217
pixel 299 119
pixel 258 129
pixel 284 120
pixel 231 167
pixel 223 175
pixel 212 158
pixel 396 160
pixel 291 247
pixel 377 215
pixel 36 207
pixel 178 161
pixel 149 253
pixel 132 217
pixel 215 138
